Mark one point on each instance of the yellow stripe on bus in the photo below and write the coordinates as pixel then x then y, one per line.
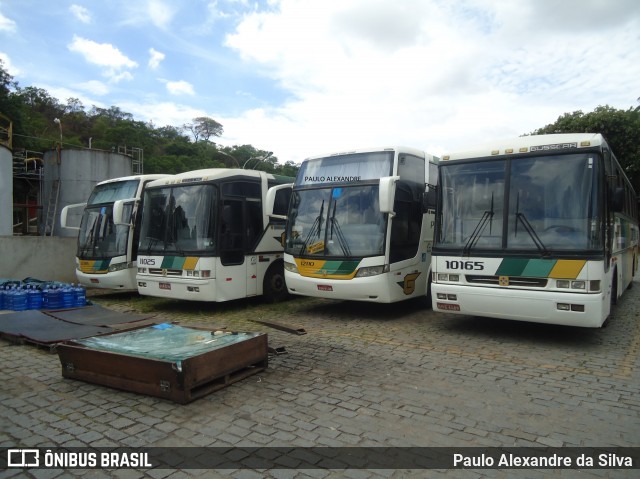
pixel 567 268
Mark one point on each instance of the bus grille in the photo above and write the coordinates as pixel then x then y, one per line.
pixel 165 272
pixel 513 281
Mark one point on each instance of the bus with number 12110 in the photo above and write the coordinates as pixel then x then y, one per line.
pixel 360 225
pixel 540 228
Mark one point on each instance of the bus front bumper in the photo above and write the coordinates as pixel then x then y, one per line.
pixel 124 280
pixel 371 289
pixel 201 290
pixel 550 307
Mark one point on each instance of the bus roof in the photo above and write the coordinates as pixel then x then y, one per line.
pixel 210 174
pixel 133 177
pixel 405 149
pixel 528 144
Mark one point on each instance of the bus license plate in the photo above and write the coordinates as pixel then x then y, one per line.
pixel 325 287
pixel 165 285
pixel 448 306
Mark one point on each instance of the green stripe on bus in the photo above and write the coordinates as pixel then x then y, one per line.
pixel 512 267
pixel 537 268
pixel 340 267
pixel 172 262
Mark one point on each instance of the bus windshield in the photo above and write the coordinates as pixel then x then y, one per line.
pixel 114 191
pixel 341 221
pixel 99 237
pixel 179 219
pixel 541 204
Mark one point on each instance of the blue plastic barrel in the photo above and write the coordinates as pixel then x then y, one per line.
pixel 54 298
pixel 68 296
pixel 81 296
pixel 20 300
pixel 34 298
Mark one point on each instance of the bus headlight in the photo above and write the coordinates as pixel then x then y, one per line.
pixel 448 277
pixel 371 271
pixel 198 273
pixel 566 284
pixel 117 267
pixel 291 267
pixel 142 270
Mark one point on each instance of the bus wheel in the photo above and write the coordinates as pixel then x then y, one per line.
pixel 274 287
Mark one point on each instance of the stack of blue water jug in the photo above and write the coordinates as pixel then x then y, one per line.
pixel 21 296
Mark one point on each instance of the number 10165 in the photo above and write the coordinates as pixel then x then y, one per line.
pixel 466 265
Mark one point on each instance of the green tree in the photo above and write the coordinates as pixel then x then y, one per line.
pixel 167 149
pixel 621 128
pixel 204 128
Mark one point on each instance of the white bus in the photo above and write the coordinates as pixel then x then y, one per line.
pixel 360 225
pixel 106 254
pixel 207 235
pixel 541 228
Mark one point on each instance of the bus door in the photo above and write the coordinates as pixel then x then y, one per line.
pixel 231 275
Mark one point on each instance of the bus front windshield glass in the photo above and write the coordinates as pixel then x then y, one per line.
pixel 110 192
pixel 177 220
pixel 337 222
pixel 540 204
pixel 99 237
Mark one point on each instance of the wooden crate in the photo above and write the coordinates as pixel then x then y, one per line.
pixel 181 381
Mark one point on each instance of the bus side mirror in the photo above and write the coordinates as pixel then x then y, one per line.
pixel 429 199
pixel 387 194
pixel 277 201
pixel 64 214
pixel 119 208
pixel 618 200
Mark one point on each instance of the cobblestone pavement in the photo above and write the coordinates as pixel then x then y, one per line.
pixel 363 375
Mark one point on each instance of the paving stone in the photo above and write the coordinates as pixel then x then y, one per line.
pixel 384 375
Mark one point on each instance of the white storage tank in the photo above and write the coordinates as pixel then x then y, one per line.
pixel 77 171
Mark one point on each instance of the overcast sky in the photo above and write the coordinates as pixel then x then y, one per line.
pixel 307 77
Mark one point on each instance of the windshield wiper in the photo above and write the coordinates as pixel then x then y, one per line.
pixel 152 243
pixel 487 217
pixel 316 226
pixel 91 240
pixel 529 229
pixel 342 241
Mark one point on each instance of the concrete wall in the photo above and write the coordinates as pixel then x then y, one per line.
pixel 42 257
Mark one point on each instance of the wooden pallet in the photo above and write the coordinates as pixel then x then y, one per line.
pixel 182 382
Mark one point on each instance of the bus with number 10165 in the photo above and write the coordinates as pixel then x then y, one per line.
pixel 360 225
pixel 541 228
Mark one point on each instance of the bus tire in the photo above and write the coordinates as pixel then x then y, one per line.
pixel 274 288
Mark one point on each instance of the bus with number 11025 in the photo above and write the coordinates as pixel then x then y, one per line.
pixel 210 235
